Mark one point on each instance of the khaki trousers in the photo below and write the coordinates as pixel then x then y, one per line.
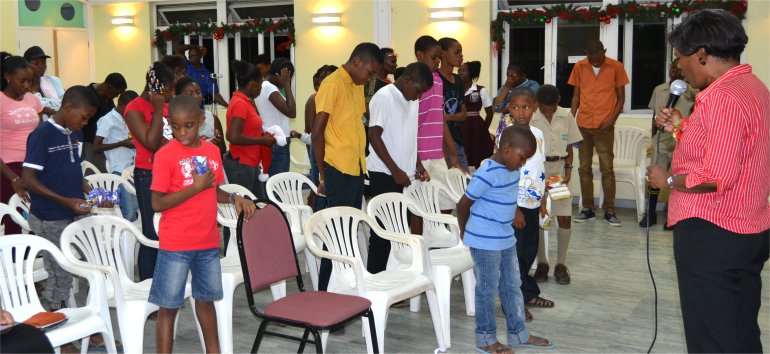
pixel 603 143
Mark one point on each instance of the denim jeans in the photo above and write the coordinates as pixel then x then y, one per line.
pixel 498 271
pixel 281 159
pixel 128 202
pixel 320 202
pixel 244 175
pixel 170 277
pixel 147 255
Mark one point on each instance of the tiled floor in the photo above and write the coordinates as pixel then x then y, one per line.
pixel 607 308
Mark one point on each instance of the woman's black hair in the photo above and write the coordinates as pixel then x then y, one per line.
pixel 10 64
pixel 446 42
pixel 717 31
pixel 182 83
pixel 323 72
pixel 280 63
pixel 159 78
pixel 474 69
pixel 244 73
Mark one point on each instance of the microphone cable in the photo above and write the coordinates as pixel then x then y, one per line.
pixel 649 264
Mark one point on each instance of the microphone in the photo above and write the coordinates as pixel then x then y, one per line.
pixel 678 87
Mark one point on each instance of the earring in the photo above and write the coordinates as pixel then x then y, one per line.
pixel 702 61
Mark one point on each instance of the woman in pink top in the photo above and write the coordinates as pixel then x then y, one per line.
pixel 19 115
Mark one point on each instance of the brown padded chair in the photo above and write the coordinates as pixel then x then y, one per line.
pixel 267 256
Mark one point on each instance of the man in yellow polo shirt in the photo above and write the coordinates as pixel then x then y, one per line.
pixel 339 139
pixel 596 104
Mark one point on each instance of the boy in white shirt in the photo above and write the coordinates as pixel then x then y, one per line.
pixel 530 200
pixel 392 163
pixel 113 139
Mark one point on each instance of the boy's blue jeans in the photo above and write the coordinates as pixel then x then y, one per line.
pixel 498 271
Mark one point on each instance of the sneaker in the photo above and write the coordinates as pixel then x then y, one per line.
pixel 653 220
pixel 561 274
pixel 585 215
pixel 612 219
pixel 541 273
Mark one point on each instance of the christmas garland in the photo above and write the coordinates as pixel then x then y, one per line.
pixel 266 26
pixel 631 10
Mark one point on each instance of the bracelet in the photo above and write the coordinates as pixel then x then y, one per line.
pixel 567 166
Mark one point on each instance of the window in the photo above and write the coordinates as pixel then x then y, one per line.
pixel 549 51
pixel 240 46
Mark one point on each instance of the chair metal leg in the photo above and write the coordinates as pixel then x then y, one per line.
pixel 304 339
pixel 319 349
pixel 260 333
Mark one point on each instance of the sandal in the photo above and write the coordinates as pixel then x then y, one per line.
pixel 540 302
pixel 536 343
pixel 497 348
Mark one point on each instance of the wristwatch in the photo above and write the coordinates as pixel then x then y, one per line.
pixel 231 197
pixel 670 182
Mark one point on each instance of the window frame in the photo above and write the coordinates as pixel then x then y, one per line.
pixel 220 47
pixel 608 34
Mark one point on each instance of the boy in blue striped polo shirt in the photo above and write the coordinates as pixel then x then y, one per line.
pixel 485 214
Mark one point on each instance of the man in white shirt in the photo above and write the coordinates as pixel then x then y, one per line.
pixel 392 162
pixel 112 138
pixel 276 108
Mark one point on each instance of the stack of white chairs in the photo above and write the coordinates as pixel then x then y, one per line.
pixel 337 228
pixel 95 241
pixel 20 299
pixel 391 210
pixel 285 190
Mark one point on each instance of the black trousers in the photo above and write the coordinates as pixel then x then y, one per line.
pixel 379 248
pixel 341 190
pixel 719 286
pixel 527 242
pixel 24 338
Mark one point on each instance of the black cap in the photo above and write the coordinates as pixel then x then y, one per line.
pixel 35 52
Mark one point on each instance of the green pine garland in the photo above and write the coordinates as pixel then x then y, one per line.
pixel 631 10
pixel 266 26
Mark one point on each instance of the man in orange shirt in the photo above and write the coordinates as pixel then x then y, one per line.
pixel 596 103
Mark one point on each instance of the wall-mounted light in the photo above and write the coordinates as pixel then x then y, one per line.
pixel 327 19
pixel 439 14
pixel 118 21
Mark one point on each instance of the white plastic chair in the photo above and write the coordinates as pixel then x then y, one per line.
pixel 109 182
pixel 337 228
pixel 457 181
pixel 22 207
pixel 98 239
pixel 443 264
pixel 426 195
pixel 630 164
pixel 19 205
pixel 20 299
pixel 232 273
pixel 285 190
pixel 16 217
pixel 128 175
pixel 302 163
pixel 89 167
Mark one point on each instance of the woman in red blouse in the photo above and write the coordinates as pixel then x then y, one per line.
pixel 249 146
pixel 146 120
pixel 719 186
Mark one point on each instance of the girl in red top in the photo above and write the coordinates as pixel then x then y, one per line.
pixel 249 146
pixel 148 126
pixel 19 116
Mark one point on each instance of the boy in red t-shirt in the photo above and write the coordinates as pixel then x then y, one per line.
pixel 186 175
